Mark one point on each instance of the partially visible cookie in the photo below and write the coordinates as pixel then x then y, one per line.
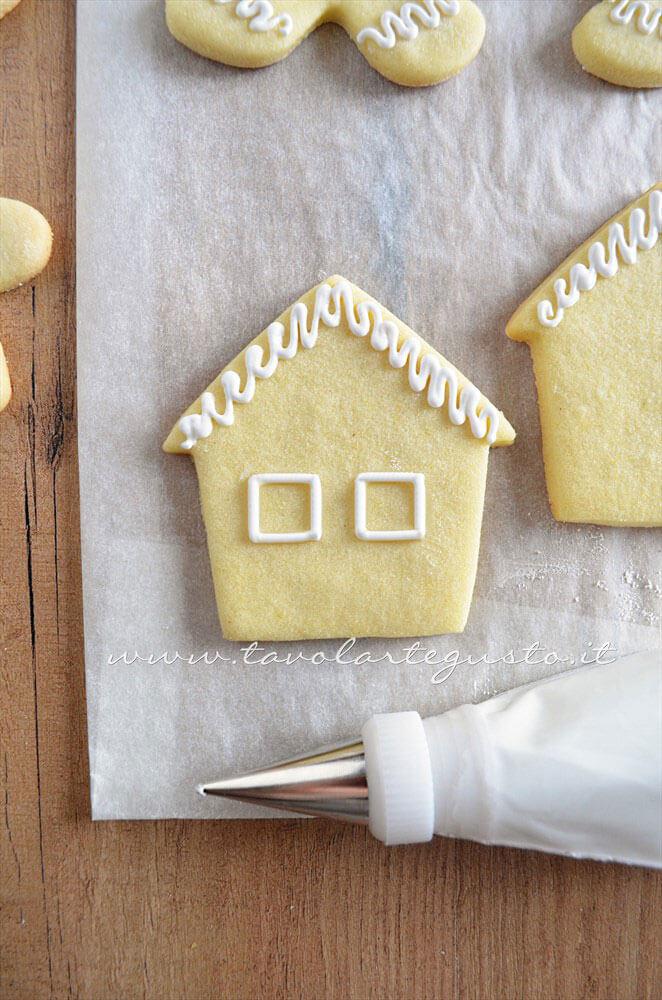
pixel 5 384
pixel 594 327
pixel 621 41
pixel 26 241
pixel 5 7
pixel 415 44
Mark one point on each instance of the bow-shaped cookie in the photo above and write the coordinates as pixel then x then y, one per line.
pixel 415 43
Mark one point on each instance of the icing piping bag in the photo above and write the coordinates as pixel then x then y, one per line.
pixel 571 765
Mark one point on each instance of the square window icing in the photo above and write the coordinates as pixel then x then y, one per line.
pixel 284 507
pixel 390 503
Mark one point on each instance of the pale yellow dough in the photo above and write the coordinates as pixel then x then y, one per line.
pixel 25 243
pixel 5 384
pixel 336 410
pixel 216 30
pixel 7 5
pixel 599 380
pixel 25 247
pixel 619 52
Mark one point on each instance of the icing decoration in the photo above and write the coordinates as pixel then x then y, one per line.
pixel 313 534
pixel 604 260
pixel 425 371
pixel 646 18
pixel 360 507
pixel 260 15
pixel 403 25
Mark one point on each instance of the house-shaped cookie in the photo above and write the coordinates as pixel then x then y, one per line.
pixel 342 465
pixel 595 332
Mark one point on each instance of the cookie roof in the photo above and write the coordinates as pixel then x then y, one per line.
pixel 329 304
pixel 634 229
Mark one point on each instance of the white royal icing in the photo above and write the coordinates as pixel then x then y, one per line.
pixel 255 533
pixel 403 25
pixel 260 15
pixel 603 259
pixel 646 17
pixel 426 371
pixel 361 507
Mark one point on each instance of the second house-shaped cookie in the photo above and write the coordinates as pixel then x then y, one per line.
pixel 342 466
pixel 594 327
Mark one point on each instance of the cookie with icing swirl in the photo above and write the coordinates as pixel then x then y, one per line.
pixel 620 41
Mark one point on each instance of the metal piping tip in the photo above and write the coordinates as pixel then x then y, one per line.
pixel 330 781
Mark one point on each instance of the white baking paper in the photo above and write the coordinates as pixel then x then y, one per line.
pixel 209 199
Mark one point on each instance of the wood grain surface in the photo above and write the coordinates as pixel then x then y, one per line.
pixel 234 909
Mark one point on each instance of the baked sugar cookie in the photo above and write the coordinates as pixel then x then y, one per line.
pixel 25 243
pixel 5 384
pixel 621 42
pixel 5 7
pixel 415 43
pixel 595 332
pixel 25 246
pixel 342 465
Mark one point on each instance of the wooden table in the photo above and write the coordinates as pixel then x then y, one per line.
pixel 236 909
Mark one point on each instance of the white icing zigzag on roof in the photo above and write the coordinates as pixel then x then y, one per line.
pixel 425 371
pixel 604 260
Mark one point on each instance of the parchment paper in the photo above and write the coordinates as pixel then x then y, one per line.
pixel 209 199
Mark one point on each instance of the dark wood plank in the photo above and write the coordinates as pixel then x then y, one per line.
pixel 197 910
